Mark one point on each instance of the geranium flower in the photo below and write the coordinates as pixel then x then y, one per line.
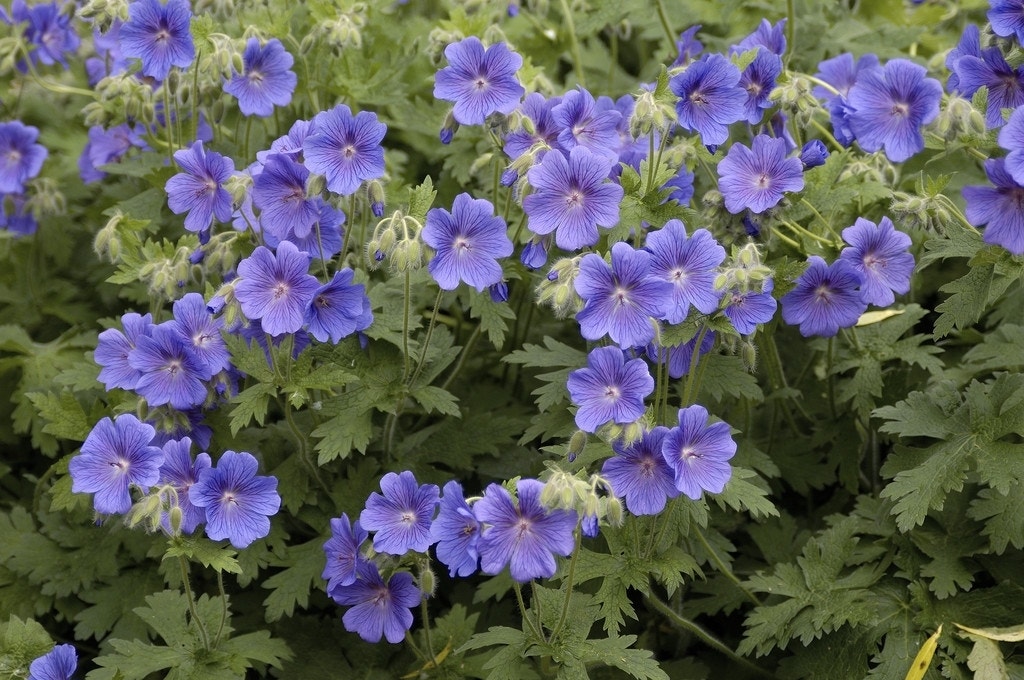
pixel 378 609
pixel 609 389
pixel 159 35
pixel 116 455
pixel 755 179
pixel 171 373
pixel 199 190
pixel 21 158
pixel 339 308
pixel 181 472
pixel 825 299
pixel 342 552
pixel 480 81
pixel 238 502
pixel 999 207
pixel 346 149
pixel 456 532
pixel 266 80
pixel 879 253
pixel 699 453
pixel 59 663
pixel 710 97
pixel 639 474
pixel 276 288
pixel 401 517
pixel 280 194
pixel 467 242
pixel 689 264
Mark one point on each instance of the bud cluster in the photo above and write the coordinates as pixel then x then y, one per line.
pixel 558 289
pixel 396 239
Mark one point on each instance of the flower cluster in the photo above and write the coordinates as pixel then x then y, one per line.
pixel 21 159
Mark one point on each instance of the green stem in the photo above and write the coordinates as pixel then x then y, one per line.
pixel 167 125
pixel 827 135
pixel 574 44
pixel 405 326
pixel 426 342
pixel 797 229
pixel 522 610
pixel 830 379
pixel 536 602
pixel 790 29
pixel 223 608
pixel 195 95
pixel 415 648
pixel 692 379
pixel 724 568
pixel 426 626
pixel 569 582
pixel 665 24
pixel 704 636
pixel 192 604
pixel 303 444
pixel 473 337
pixel 828 225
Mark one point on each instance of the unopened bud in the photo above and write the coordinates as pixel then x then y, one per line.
pixel 577 444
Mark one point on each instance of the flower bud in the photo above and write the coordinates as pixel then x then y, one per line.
pixel 577 444
pixel 813 154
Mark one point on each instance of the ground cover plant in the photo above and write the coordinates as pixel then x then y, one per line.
pixel 511 340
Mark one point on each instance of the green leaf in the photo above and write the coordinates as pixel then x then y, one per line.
pixel 492 315
pixel 135 660
pixel 552 354
pixel 65 415
pixel 433 398
pixel 292 585
pixel 258 646
pixel 204 551
pixel 740 494
pixel 348 425
pixel 421 198
pixel 986 660
pixel 251 404
pixel 21 642
pixel 618 653
pixel 967 301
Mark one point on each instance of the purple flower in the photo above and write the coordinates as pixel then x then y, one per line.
pixel 276 289
pixel 342 552
pixel 401 517
pixel 201 331
pixel 755 179
pixel 621 299
pixel 527 537
pixel 1007 18
pixel 747 309
pixel 1005 84
pixel 113 348
pixel 109 59
pixel 171 373
pixel 583 123
pixel 290 144
pixel 639 474
pixel 758 79
pixel 771 38
pixel 159 35
pixel 479 81
pixel 813 154
pixel 879 253
pixel 378 609
pixel 468 241
pixel 59 663
pixel 841 73
pixel 199 190
pixel 115 455
pixel 181 472
pixel 699 453
pixel 346 149
pixel 280 194
pixel 711 97
pixel 266 80
pixel 680 358
pixel 48 33
pixel 889 106
pixel 609 389
pixel 681 185
pixel 535 252
pixel 688 47
pixel 690 265
pixel 339 309
pixel 825 299
pixel 1000 207
pixel 969 45
pixel 324 238
pixel 238 502
pixel 21 158
pixel 572 198
pixel 545 130
pixel 1011 138
pixel 108 146
pixel 456 532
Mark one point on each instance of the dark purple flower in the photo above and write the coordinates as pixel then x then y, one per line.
pixel 200 330
pixel 266 80
pixel 621 300
pixel 841 73
pixel 755 179
pixel 583 123
pixel 535 252
pixel 280 194
pixel 276 289
pixel 1005 84
pixel 468 242
pixel 969 46
pixel 401 517
pixel 342 552
pixel 290 144
pixel 545 130
pixel 238 502
pixel 346 149
pixel 680 358
pixel 171 373
pixel 20 221
pixel 681 185
pixel 48 33
pixel 813 154
pixel 526 537
pixel 771 37
pixel 639 474
pixel 108 146
pixel 456 532
pixel 1001 207
pixel 181 472
pixel 113 348
pixel 825 299
pixel 116 455
pixel 199 190
pixel 888 106
pixel 479 81
pixel 699 453
pixel 339 309
pixel 109 59
pixel 159 35
pixel 253 332
pixel 378 609
pixel 879 253
pixel 59 663
pixel 21 158
pixel 711 97
pixel 688 47
pixel 1011 138
pixel 746 309
pixel 1007 18
pixel 689 264
pixel 758 79
pixel 572 197
pixel 324 238
pixel 609 389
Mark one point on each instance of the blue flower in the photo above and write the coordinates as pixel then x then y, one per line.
pixel 699 453
pixel 479 81
pixel 238 502
pixel 572 197
pixel 545 130
pixel 324 238
pixel 342 552
pixel 346 149
pixel 825 298
pixel 969 46
pixel 59 663
pixel 689 264
pixel 378 609
pixel 813 154
pixel 171 373
pixel 108 146
pixel 48 33
pixel 1005 84
pixel 999 207
pixel 583 123
pixel 711 98
pixel 456 532
pixel 748 308
pixel 889 106
pixel 771 37
pixel 21 158
pixel 276 289
pixel 639 474
pixel 113 348
pixel 758 79
pixel 1011 138
pixel 266 80
pixel 609 389
pixel 199 190
pixel 116 455
pixel 401 517
pixel 468 241
pixel 680 358
pixel 159 35
pixel 841 73
pixel 1007 18
pixel 180 471
pixel 621 300
pixel 280 194
pixel 688 47
pixel 755 179
pixel 526 536
pixel 200 330
pixel 879 253
pixel 681 185
pixel 339 309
